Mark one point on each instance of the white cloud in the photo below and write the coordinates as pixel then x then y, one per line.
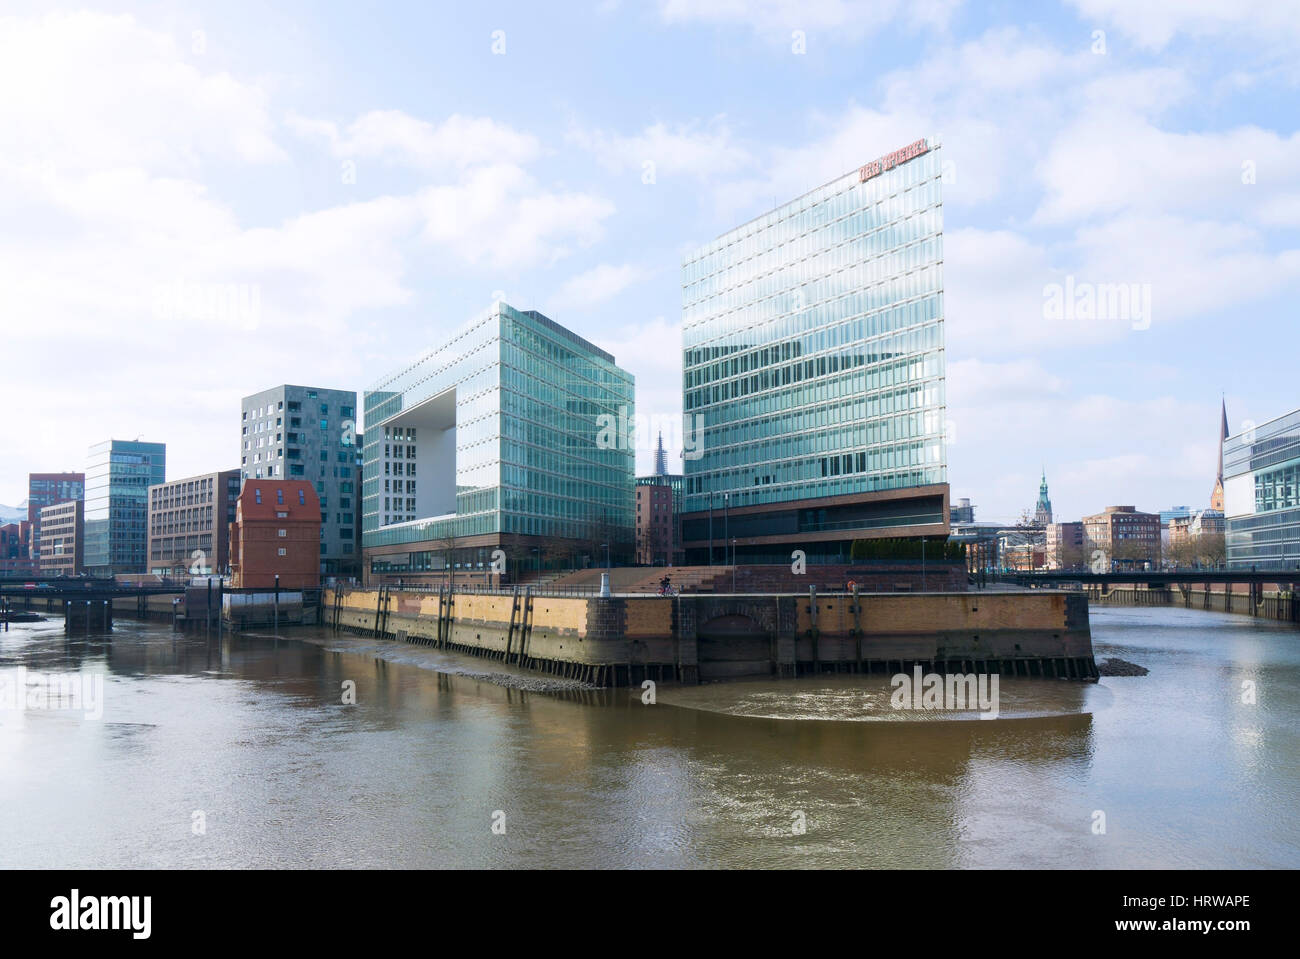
pixel 395 136
pixel 498 216
pixel 598 284
pixel 87 91
pixel 851 16
pixel 1153 24
pixel 697 150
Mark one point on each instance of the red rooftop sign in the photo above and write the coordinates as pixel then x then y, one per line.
pixel 891 160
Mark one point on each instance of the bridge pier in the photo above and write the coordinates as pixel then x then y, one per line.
pixel 85 614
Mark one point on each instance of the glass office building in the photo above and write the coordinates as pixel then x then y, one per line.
pixel 1261 495
pixel 509 436
pixel 118 476
pixel 813 367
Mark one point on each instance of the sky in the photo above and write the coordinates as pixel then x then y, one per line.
pixel 200 201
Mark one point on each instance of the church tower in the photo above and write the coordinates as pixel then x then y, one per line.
pixel 1216 498
pixel 1043 509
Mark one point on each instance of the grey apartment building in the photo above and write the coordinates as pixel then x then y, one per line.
pixel 310 433
pixel 189 524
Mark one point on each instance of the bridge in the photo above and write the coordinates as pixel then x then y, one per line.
pixel 1157 578
pixel 84 601
pixel 1157 587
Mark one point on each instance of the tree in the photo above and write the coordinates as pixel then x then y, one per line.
pixel 446 545
pixel 1211 548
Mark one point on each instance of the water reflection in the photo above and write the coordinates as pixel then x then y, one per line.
pixel 257 733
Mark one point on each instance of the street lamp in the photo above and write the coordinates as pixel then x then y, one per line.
pixel 726 523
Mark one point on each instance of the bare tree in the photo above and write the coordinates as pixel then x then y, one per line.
pixel 1211 548
pixel 446 545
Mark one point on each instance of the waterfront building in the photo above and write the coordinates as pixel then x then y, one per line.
pixel 1065 546
pixel 45 489
pixel 15 549
pixel 962 512
pixel 656 542
pixel 1127 537
pixel 275 538
pixel 309 433
pixel 63 541
pixel 189 524
pixel 512 435
pixel 1261 493
pixel 118 476
pixel 813 370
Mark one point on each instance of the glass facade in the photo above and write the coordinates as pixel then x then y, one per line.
pixel 813 344
pixel 118 476
pixel 1261 487
pixel 495 433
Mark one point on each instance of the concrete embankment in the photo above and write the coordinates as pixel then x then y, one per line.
pixel 1280 605
pixel 624 640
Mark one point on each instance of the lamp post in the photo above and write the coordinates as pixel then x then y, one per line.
pixel 733 565
pixel 710 527
pixel 726 522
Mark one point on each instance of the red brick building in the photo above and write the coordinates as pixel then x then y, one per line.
pixel 15 549
pixel 656 538
pixel 276 532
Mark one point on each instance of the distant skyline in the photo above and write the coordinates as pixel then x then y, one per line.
pixel 201 201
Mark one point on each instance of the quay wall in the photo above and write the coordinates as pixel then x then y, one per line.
pixel 1280 605
pixel 626 639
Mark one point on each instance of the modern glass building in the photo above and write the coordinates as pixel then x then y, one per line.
pixel 511 435
pixel 118 476
pixel 309 433
pixel 813 366
pixel 1261 494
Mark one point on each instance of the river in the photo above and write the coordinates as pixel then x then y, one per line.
pixel 242 752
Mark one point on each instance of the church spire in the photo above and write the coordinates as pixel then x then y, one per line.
pixel 1216 497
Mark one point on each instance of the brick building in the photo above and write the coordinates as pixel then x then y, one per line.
pixel 189 524
pixel 15 549
pixel 1065 546
pixel 277 531
pixel 1127 537
pixel 655 524
pixel 63 527
pixel 46 489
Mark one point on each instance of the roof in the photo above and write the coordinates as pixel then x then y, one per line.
pixel 304 509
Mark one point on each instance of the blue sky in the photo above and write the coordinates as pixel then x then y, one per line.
pixel 377 173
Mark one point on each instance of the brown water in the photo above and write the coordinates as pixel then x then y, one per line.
pixel 252 732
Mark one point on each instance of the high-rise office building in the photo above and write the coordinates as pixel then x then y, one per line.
pixel 511 435
pixel 1261 495
pixel 309 433
pixel 118 476
pixel 46 489
pixel 813 355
